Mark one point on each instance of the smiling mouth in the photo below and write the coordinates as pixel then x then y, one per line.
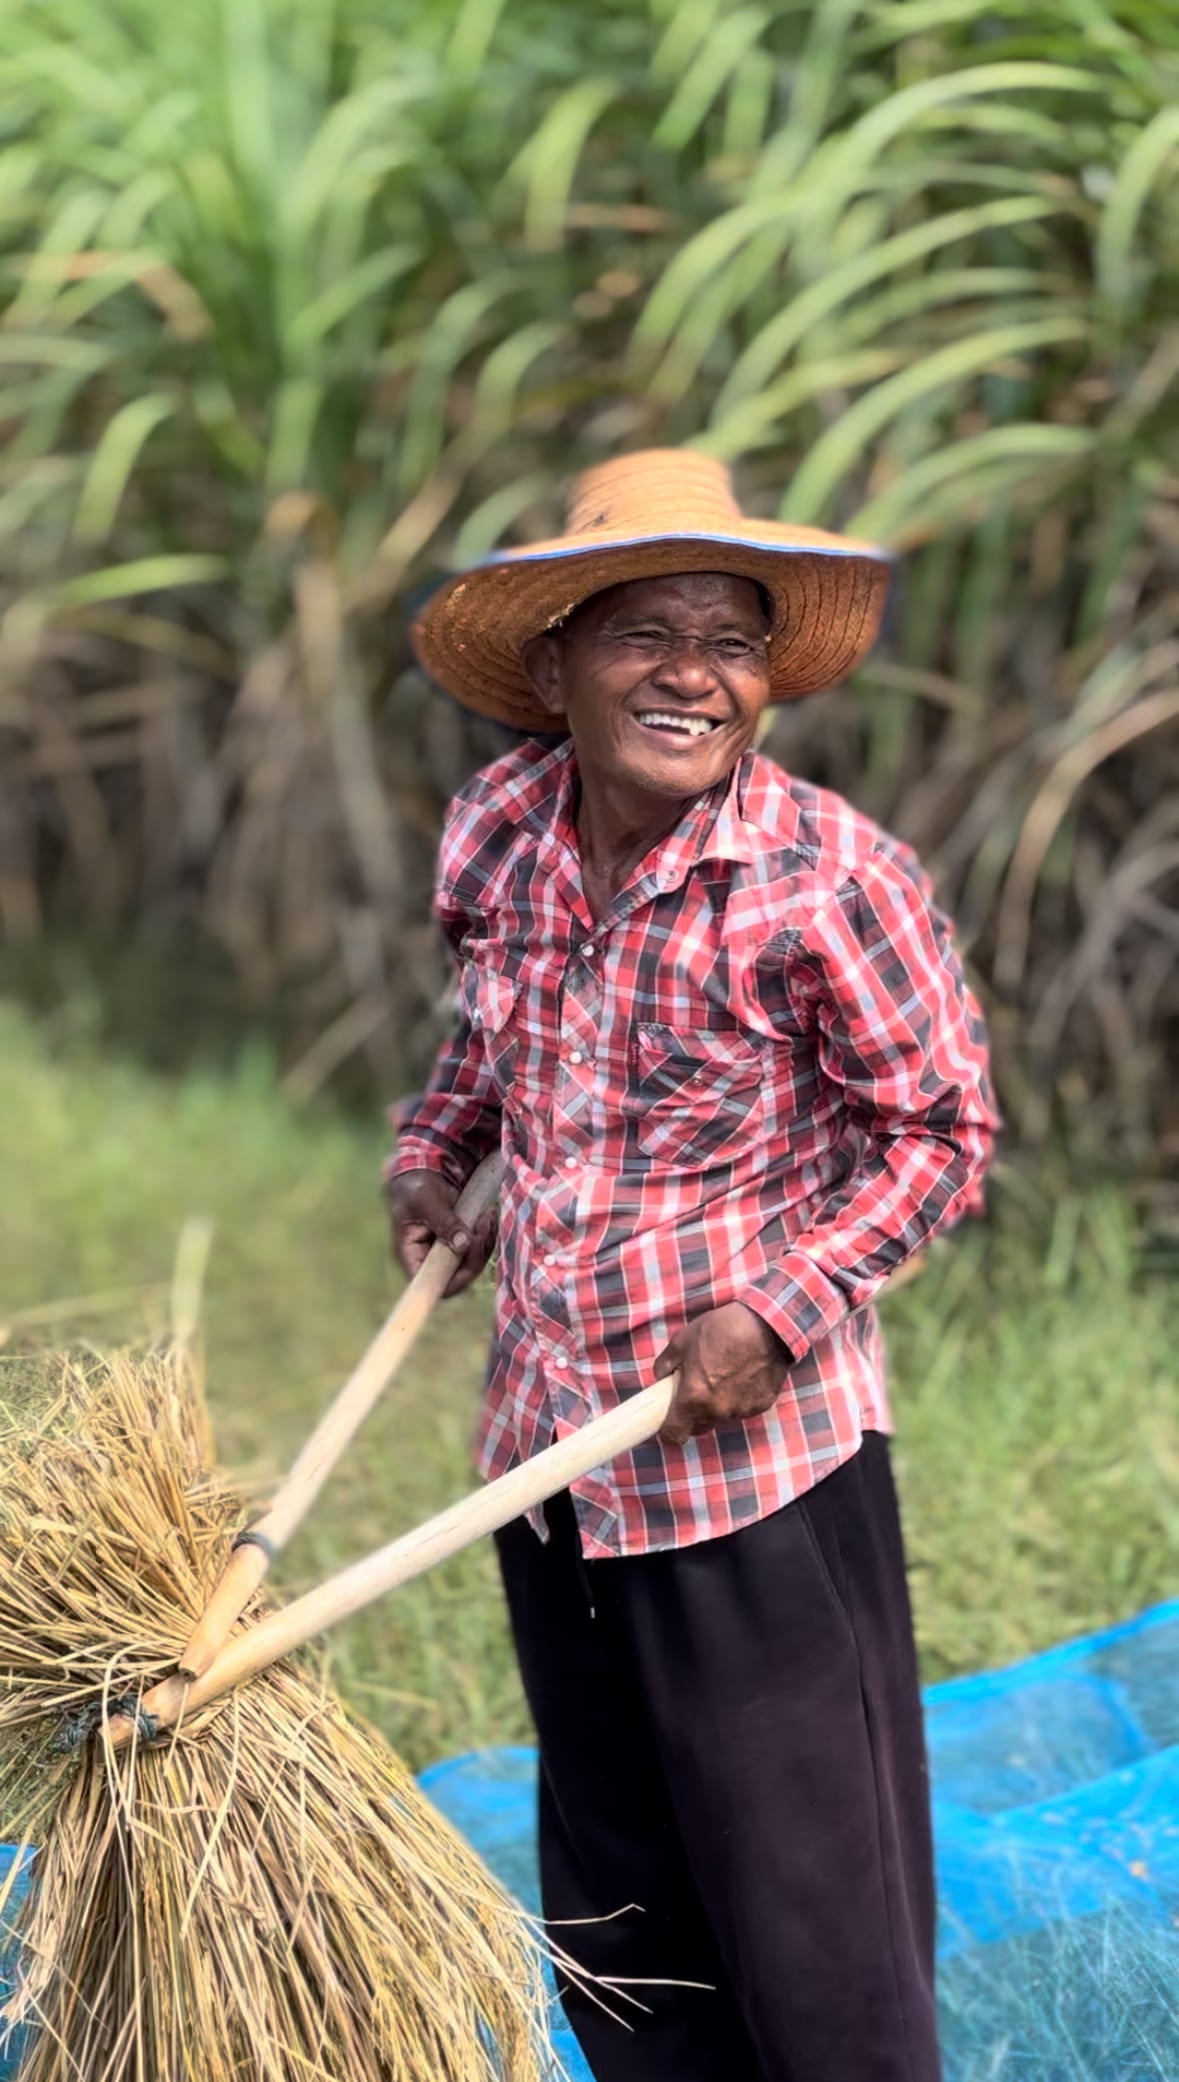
pixel 664 722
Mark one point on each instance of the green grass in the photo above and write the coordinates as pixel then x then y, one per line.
pixel 1038 1436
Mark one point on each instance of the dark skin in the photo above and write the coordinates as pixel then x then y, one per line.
pixel 691 645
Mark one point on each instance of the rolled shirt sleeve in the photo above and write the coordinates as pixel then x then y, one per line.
pixel 456 1121
pixel 899 1032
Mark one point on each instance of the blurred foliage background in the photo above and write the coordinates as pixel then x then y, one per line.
pixel 303 301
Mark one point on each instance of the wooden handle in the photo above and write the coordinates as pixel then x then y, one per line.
pixel 523 1487
pixel 249 1564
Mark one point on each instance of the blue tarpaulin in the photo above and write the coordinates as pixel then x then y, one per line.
pixel 1056 1814
pixel 1056 1818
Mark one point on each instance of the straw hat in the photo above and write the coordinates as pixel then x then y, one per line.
pixel 661 511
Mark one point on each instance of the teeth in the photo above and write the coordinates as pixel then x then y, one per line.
pixel 695 726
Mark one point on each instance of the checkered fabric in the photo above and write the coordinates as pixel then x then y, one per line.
pixel 760 1077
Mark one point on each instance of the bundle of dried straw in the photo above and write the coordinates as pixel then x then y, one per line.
pixel 264 1896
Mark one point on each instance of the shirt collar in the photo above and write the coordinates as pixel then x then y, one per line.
pixel 713 826
pixel 729 836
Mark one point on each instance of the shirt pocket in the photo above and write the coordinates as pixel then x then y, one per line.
pixel 488 999
pixel 695 1098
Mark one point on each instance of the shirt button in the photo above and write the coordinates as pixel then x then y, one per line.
pixel 570 1163
pixel 576 1056
pixel 549 1258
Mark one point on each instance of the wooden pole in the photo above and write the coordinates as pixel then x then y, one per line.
pixel 250 1561
pixel 520 1490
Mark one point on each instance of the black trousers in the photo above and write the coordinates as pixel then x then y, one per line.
pixel 733 1773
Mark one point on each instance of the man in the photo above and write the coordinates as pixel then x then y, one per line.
pixel 720 1031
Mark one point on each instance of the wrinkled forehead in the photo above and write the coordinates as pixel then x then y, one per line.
pixel 673 595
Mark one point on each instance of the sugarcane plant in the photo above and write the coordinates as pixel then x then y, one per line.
pixel 303 305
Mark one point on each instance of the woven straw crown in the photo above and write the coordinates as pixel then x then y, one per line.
pixel 660 512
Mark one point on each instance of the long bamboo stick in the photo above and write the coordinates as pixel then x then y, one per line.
pixel 256 1549
pixel 484 1511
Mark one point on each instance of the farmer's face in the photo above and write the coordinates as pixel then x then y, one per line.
pixel 661 681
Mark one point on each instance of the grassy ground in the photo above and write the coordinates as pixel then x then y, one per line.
pixel 1033 1372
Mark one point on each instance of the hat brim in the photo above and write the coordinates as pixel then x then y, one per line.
pixel 828 593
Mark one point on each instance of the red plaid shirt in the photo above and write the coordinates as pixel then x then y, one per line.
pixel 760 1077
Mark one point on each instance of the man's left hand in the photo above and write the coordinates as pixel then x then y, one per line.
pixel 730 1365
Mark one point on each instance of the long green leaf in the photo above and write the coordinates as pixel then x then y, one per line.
pixel 757 422
pixel 19 167
pixel 838 450
pixel 297 407
pixel 547 165
pixel 453 332
pixel 1140 169
pixel 705 324
pixel 68 66
pixel 472 37
pixel 333 152
pixel 51 351
pixel 847 165
pixel 706 79
pixel 233 438
pixel 248 94
pixel 361 285
pixel 749 106
pixel 1027 127
pixel 825 61
pixel 1012 292
pixel 489 522
pixel 113 461
pixel 124 224
pixel 69 231
pixel 93 279
pixel 896 20
pixel 824 187
pixel 162 574
pixel 1018 449
pixel 789 327
pixel 689 22
pixel 696 263
pixel 503 373
pixel 219 208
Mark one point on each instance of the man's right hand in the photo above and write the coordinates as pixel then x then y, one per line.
pixel 421 1211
